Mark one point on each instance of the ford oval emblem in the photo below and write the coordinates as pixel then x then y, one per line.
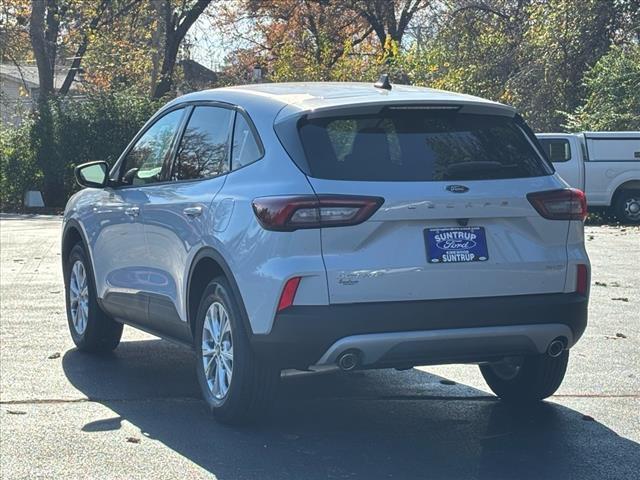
pixel 457 188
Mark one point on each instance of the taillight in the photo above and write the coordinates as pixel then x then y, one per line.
pixel 289 213
pixel 582 279
pixel 565 204
pixel 288 293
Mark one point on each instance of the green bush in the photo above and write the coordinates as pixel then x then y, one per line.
pixel 18 169
pixel 42 153
pixel 613 93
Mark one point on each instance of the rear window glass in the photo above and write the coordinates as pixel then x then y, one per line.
pixel 418 146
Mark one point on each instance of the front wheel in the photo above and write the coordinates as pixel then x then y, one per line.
pixel 627 206
pixel 526 379
pixel 237 387
pixel 91 329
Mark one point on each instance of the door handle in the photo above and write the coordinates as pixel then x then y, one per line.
pixel 132 211
pixel 193 211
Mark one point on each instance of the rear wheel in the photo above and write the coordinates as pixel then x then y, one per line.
pixel 91 329
pixel 237 387
pixel 627 206
pixel 526 379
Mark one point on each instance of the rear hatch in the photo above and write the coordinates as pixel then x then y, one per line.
pixel 455 221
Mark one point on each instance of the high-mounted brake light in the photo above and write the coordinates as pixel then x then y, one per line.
pixel 288 293
pixel 565 204
pixel 289 213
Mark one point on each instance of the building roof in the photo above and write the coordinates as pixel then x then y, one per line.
pixel 29 74
pixel 197 74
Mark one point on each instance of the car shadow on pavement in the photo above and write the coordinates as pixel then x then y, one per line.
pixel 377 424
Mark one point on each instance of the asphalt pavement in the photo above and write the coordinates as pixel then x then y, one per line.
pixel 136 413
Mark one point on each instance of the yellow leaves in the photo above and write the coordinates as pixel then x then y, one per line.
pixel 507 96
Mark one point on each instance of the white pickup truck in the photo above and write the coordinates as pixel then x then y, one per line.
pixel 605 165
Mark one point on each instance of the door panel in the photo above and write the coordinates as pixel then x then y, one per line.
pixel 173 238
pixel 177 217
pixel 124 272
pixel 119 248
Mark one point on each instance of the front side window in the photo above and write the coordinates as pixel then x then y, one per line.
pixel 204 147
pixel 557 149
pixel 245 146
pixel 143 164
pixel 420 145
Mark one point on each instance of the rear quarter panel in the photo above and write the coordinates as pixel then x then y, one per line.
pixel 261 260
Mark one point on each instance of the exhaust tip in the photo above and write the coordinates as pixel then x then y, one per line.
pixel 348 361
pixel 555 348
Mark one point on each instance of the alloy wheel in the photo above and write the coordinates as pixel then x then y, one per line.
pixel 217 350
pixel 79 297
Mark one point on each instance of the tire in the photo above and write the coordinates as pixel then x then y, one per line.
pixel 534 377
pixel 627 206
pixel 248 391
pixel 91 329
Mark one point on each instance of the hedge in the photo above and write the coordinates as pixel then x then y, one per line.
pixel 42 152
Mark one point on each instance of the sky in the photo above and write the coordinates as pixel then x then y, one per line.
pixel 207 44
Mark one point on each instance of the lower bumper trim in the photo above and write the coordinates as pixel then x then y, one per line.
pixel 302 334
pixel 447 346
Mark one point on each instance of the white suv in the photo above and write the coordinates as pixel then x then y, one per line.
pixel 306 226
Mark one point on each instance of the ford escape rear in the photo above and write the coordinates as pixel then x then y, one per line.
pixel 319 225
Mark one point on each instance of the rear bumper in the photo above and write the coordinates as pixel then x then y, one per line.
pixel 423 332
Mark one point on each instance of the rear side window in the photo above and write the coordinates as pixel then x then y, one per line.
pixel 405 145
pixel 557 149
pixel 204 147
pixel 246 149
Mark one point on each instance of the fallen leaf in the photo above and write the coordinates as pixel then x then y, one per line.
pixel 133 440
pixel 621 335
pixel 53 356
pixel 601 284
pixel 16 412
pixel 621 299
pixel 444 381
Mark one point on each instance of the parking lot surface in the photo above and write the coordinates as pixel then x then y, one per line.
pixel 136 413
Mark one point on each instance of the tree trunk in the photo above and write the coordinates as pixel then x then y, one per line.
pixel 41 49
pixel 75 66
pixel 176 30
pixel 158 38
pixel 172 45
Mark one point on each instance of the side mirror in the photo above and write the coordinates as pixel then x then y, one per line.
pixel 92 174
